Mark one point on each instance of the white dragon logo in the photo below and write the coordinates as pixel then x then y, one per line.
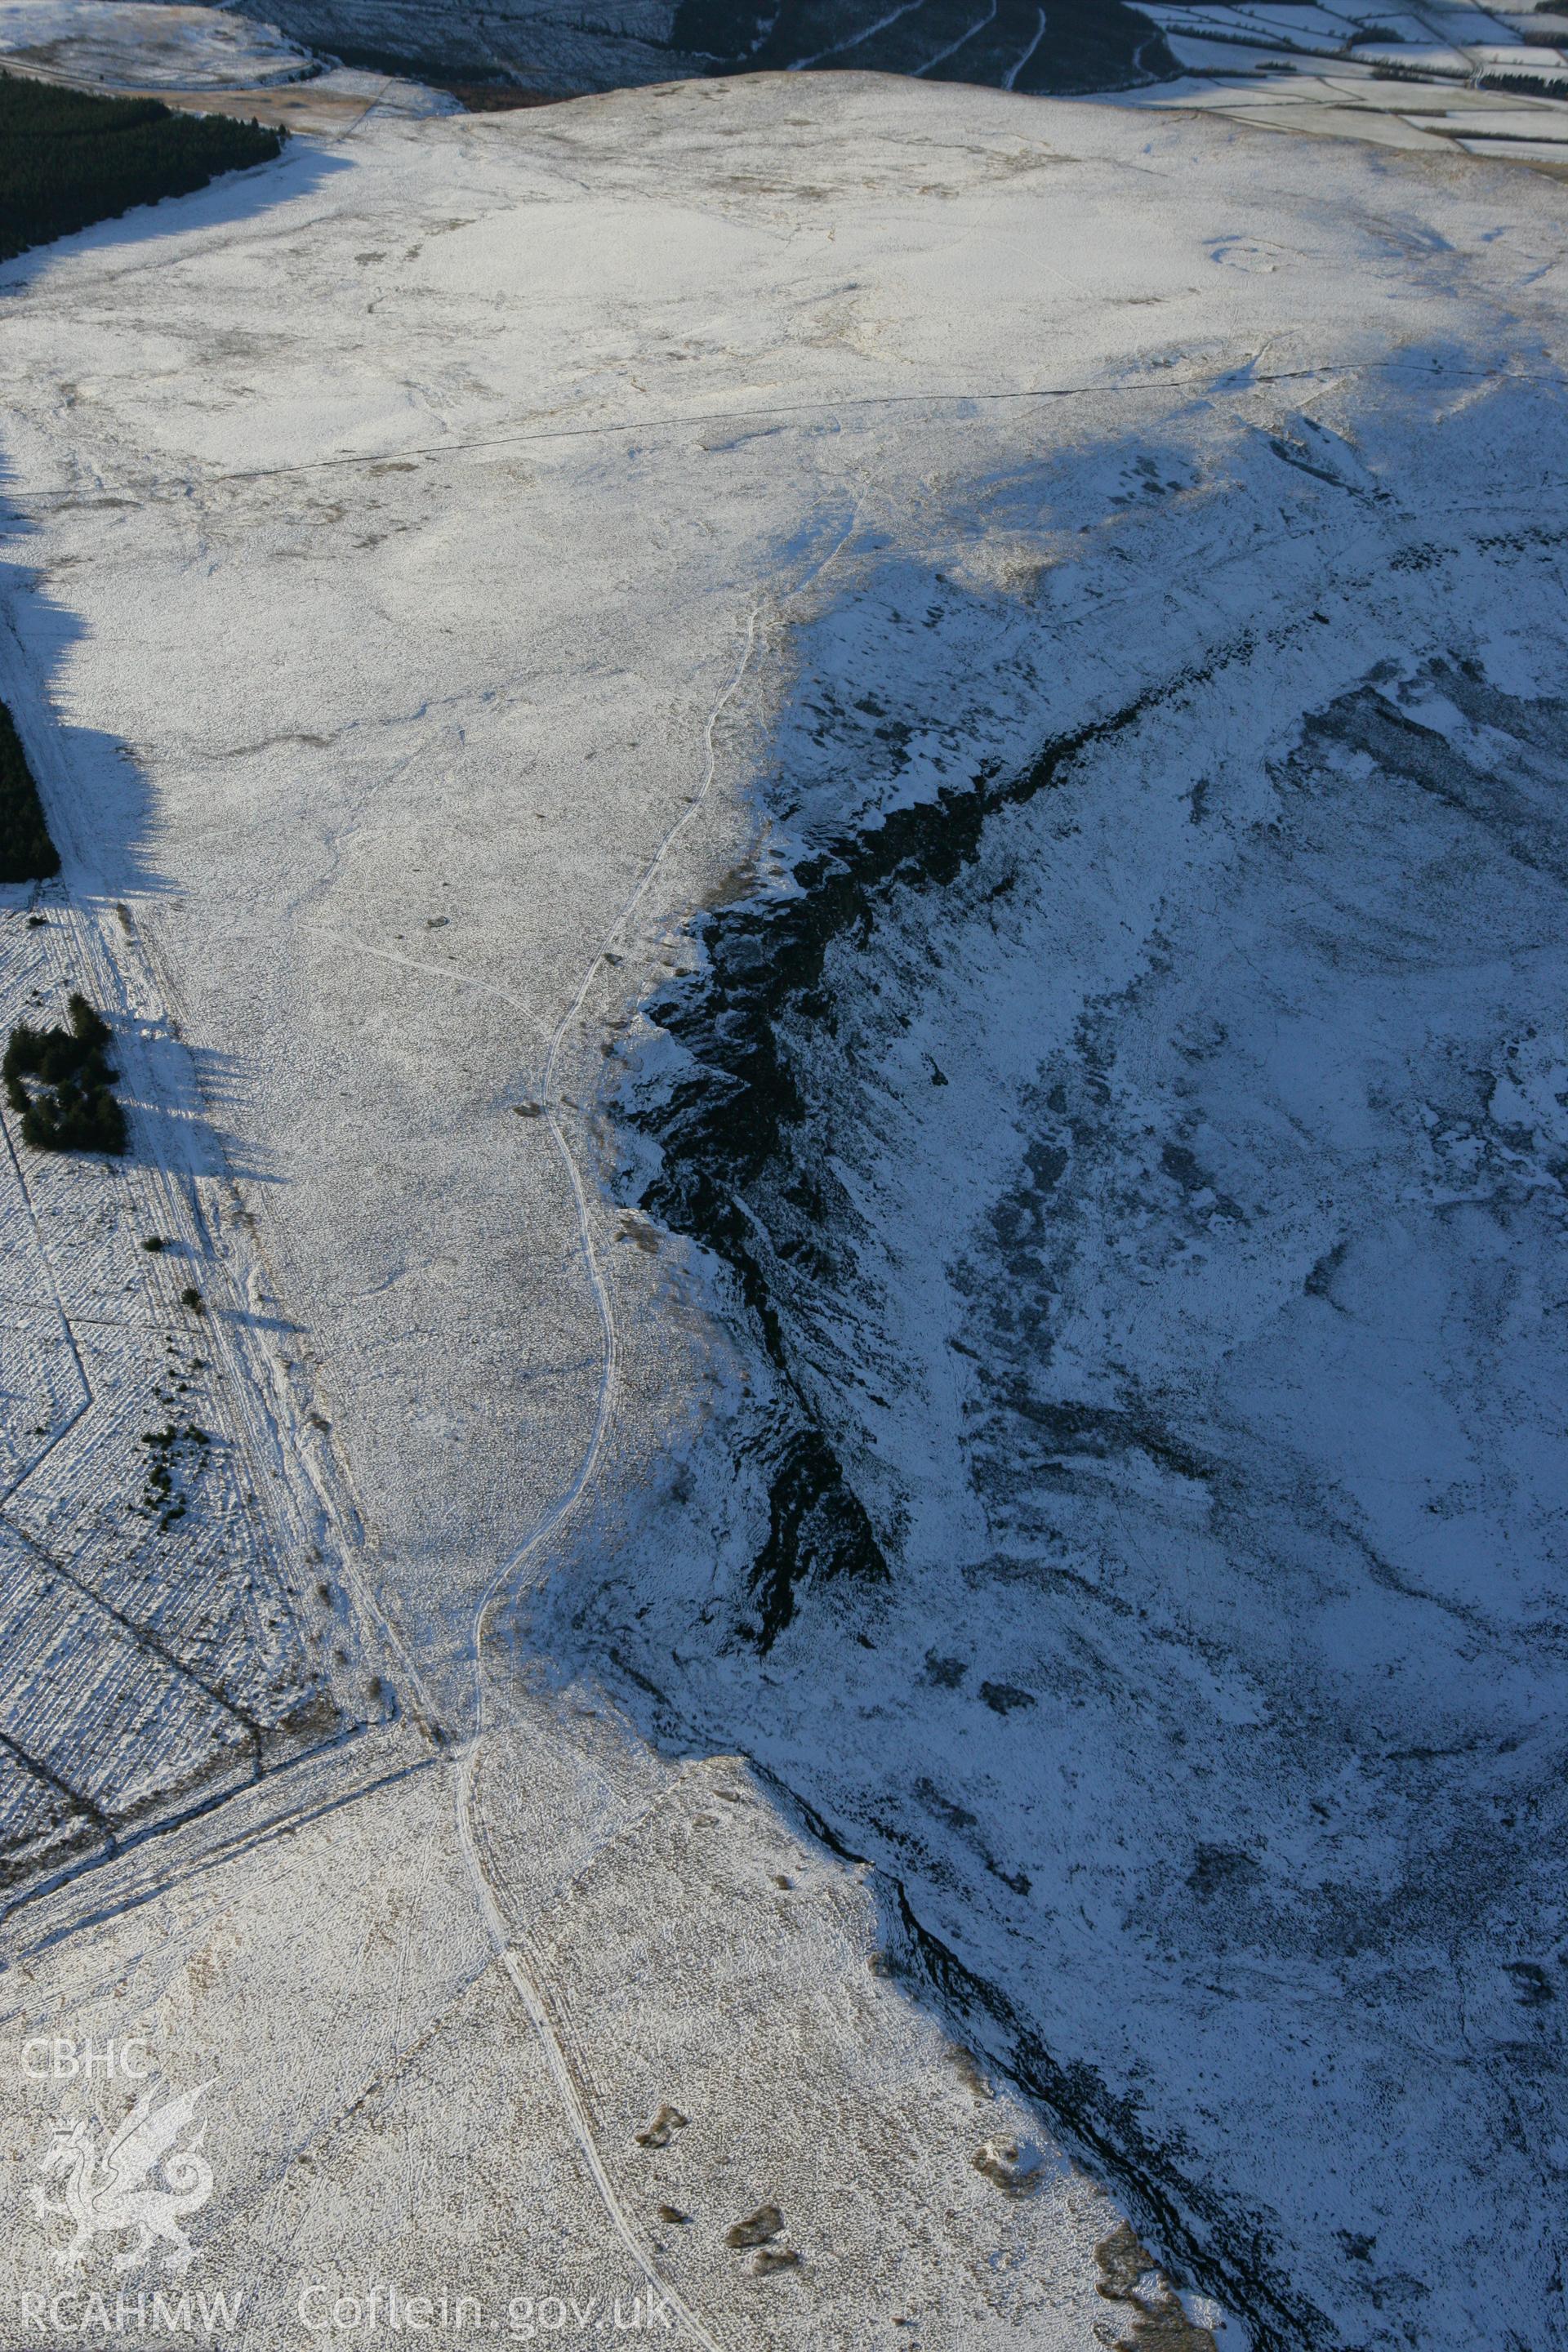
pixel 104 2195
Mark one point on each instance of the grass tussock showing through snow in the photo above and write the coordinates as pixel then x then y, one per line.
pixel 68 159
pixel 26 852
pixel 60 1082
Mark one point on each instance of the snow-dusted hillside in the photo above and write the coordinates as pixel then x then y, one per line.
pixel 560 47
pixel 1286 58
pixel 1030 1365
pixel 147 44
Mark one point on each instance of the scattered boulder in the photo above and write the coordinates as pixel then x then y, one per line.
pixel 1155 2321
pixel 775 2258
pixel 658 2133
pixel 1122 2262
pixel 969 2074
pixel 756 2228
pixel 1018 2169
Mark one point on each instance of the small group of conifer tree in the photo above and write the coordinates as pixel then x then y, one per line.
pixel 26 852
pixel 60 1083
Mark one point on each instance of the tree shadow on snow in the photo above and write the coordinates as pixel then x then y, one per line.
pixel 100 808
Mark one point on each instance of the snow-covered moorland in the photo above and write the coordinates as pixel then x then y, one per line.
pixel 1031 1321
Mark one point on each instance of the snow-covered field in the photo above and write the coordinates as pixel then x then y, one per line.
pixel 1082 1424
pixel 203 59
pixel 1492 82
pixel 139 42
pixel 175 1619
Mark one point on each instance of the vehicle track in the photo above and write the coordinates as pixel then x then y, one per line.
pixel 519 1968
pixel 527 1978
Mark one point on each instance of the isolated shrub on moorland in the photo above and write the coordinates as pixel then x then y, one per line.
pixel 59 1083
pixel 27 853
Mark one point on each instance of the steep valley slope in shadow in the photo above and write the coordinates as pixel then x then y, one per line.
pixel 1122 1150
pixel 560 47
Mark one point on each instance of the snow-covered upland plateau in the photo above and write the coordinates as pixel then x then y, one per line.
pixel 786 1566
